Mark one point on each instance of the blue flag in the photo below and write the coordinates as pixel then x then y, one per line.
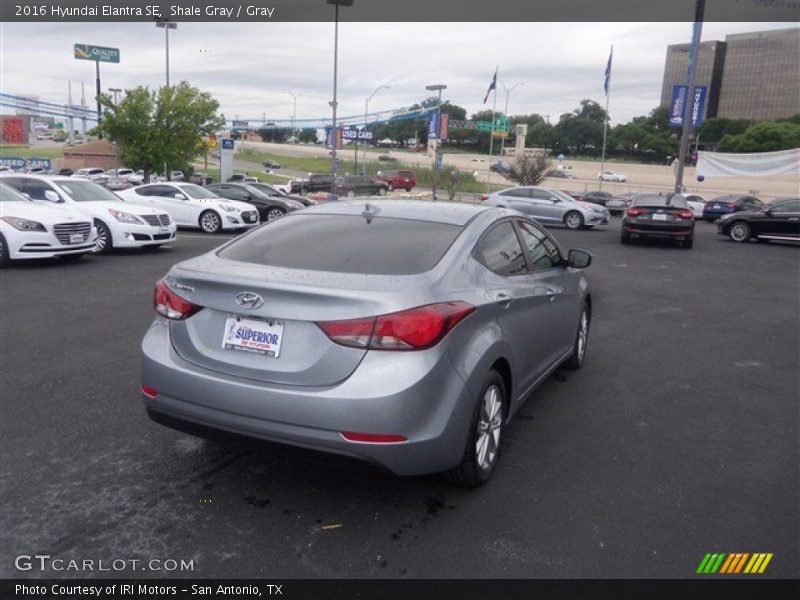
pixel 492 86
pixel 608 71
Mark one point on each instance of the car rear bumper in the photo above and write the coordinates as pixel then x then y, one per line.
pixel 418 395
pixel 666 233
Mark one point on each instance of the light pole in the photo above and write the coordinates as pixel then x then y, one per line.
pixel 166 25
pixel 438 87
pixel 334 103
pixel 508 93
pixel 115 91
pixel 366 111
pixel 294 96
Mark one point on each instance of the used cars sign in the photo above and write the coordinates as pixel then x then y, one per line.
pixel 99 53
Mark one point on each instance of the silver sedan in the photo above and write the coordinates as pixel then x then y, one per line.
pixel 403 333
pixel 550 206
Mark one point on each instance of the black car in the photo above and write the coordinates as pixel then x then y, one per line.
pixel 271 164
pixel 597 197
pixel 271 191
pixel 355 185
pixel 315 183
pixel 777 221
pixel 269 207
pixel 386 158
pixel 659 216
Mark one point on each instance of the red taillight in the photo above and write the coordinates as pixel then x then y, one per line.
pixel 685 214
pixel 635 212
pixel 372 438
pixel 149 392
pixel 484 197
pixel 168 304
pixel 414 329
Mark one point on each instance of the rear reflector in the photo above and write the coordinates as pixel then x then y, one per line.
pixel 413 329
pixel 372 438
pixel 168 304
pixel 149 392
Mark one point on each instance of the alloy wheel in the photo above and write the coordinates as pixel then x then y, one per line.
pixel 102 239
pixel 210 222
pixel 740 232
pixel 274 213
pixel 573 220
pixel 490 421
pixel 583 335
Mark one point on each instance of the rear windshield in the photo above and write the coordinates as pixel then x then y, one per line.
pixel 346 244
pixel 657 200
pixel 405 173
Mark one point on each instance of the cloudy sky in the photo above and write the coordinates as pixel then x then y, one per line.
pixel 247 66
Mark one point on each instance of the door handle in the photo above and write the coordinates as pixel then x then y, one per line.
pixel 504 300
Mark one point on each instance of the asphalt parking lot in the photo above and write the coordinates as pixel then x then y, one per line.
pixel 677 438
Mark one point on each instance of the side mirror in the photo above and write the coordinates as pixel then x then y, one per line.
pixel 768 210
pixel 52 196
pixel 578 259
pixel 180 197
pixel 554 199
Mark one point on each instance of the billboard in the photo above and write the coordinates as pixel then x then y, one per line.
pixel 438 124
pixel 329 138
pixel 679 93
pixel 14 131
pixel 99 53
pixel 357 134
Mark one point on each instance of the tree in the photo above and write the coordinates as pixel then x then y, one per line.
pixel 713 130
pixel 307 135
pixel 160 129
pixel 529 169
pixel 768 136
pixel 591 110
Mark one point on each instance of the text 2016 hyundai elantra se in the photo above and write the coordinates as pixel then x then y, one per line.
pixel 402 333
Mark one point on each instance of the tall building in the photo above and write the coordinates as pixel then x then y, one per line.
pixel 761 80
pixel 710 61
pixel 753 76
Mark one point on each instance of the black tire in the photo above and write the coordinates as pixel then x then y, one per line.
pixel 575 361
pixel 381 191
pixel 105 243
pixel 408 190
pixel 740 231
pixel 624 238
pixel 274 212
pixel 688 243
pixel 573 220
pixel 470 472
pixel 207 222
pixel 5 260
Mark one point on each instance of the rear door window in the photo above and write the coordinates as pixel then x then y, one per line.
pixel 499 250
pixel 352 244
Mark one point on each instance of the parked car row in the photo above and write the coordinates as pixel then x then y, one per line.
pixel 356 185
pixel 549 206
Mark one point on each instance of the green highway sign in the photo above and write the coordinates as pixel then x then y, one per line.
pixel 98 53
pixel 500 124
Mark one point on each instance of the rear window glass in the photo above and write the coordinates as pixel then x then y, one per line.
pixel 405 173
pixel 346 244
pixel 657 200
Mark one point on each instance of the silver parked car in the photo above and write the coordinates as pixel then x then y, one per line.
pixel 550 206
pixel 403 333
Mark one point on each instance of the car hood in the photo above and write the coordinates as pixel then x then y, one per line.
pixel 101 208
pixel 43 212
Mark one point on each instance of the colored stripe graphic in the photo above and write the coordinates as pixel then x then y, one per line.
pixel 727 564
pixel 734 563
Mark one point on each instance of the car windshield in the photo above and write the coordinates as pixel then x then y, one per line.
pixel 86 191
pixel 7 194
pixel 267 189
pixel 353 244
pixel 197 192
pixel 675 200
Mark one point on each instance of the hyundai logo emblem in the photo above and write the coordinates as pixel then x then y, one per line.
pixel 249 300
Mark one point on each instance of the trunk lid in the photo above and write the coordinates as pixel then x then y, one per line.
pixel 289 298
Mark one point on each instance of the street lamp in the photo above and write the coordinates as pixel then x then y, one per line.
pixel 366 111
pixel 508 93
pixel 334 103
pixel 115 91
pixel 294 96
pixel 166 25
pixel 438 87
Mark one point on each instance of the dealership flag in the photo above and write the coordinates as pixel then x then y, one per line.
pixel 492 86
pixel 608 71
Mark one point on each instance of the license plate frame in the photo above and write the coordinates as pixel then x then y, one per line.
pixel 659 217
pixel 260 341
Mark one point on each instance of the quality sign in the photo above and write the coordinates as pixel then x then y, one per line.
pixel 98 53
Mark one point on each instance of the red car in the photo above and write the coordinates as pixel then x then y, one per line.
pixel 398 180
